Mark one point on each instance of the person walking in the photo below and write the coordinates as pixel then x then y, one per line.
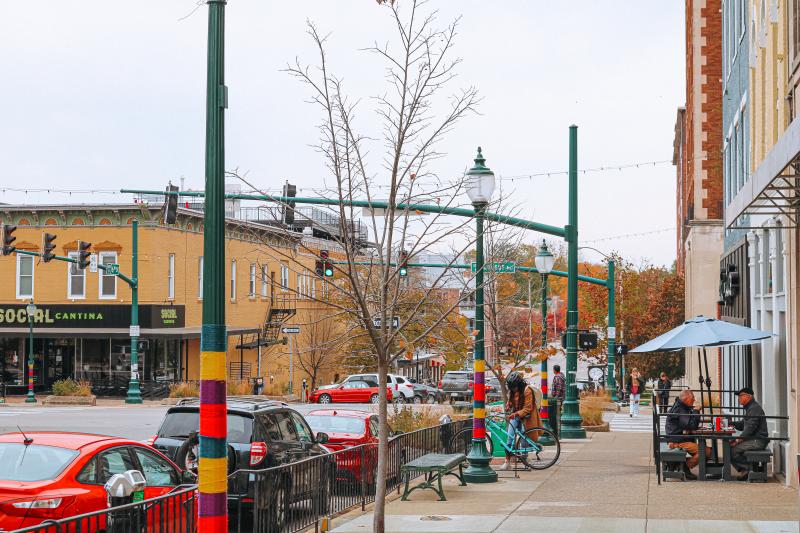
pixel 634 388
pixel 559 387
pixel 662 392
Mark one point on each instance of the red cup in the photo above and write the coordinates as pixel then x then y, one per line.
pixel 717 423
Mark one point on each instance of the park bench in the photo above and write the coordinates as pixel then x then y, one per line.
pixel 758 460
pixel 673 460
pixel 435 466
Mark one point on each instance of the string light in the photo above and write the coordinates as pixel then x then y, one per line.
pixel 628 235
pixel 604 168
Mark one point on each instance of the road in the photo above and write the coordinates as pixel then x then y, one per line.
pixel 133 422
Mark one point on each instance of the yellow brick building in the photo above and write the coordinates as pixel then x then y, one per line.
pixel 81 326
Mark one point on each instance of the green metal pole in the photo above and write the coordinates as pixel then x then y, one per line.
pixel 213 468
pixel 479 470
pixel 571 417
pixel 544 413
pixel 31 397
pixel 134 392
pixel 612 333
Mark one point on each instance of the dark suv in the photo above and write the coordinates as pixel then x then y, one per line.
pixel 261 434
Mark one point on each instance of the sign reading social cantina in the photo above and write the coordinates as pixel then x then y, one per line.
pixel 92 316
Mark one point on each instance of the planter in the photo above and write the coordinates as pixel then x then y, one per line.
pixel 611 406
pixel 70 400
pixel 602 428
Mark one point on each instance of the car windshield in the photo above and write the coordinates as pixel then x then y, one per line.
pixel 335 424
pixel 179 424
pixel 33 463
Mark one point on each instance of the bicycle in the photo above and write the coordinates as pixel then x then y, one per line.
pixel 526 444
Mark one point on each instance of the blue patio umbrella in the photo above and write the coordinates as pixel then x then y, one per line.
pixel 703 332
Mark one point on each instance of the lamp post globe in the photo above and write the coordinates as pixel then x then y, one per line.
pixel 30 310
pixel 480 181
pixel 544 260
pixel 480 186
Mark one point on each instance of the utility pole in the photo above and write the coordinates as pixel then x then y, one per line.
pixel 611 382
pixel 213 468
pixel 571 417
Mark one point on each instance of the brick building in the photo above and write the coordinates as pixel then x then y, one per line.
pixel 697 156
pixel 81 324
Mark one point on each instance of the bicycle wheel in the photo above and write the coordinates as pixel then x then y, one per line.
pixel 534 455
pixel 462 442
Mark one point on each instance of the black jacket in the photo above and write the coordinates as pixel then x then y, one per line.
pixel 663 387
pixel 754 425
pixel 629 384
pixel 678 421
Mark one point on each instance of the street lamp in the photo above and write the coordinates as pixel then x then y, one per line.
pixel 480 186
pixel 30 309
pixel 544 261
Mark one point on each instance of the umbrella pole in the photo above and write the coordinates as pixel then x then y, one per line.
pixel 700 370
pixel 708 382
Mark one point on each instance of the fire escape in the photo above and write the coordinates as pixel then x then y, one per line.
pixel 281 309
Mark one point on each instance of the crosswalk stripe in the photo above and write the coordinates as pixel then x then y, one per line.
pixel 623 422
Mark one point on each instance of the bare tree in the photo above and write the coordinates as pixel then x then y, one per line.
pixel 320 344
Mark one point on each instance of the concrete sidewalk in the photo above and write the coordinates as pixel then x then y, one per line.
pixel 603 484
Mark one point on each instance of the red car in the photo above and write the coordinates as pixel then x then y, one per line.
pixel 348 392
pixel 53 475
pixel 346 429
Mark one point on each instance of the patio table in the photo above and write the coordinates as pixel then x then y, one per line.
pixel 725 436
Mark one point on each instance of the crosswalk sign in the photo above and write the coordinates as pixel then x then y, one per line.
pixel 622 349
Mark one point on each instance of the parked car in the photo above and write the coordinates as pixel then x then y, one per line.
pixel 424 393
pixel 493 392
pixel 349 392
pixel 262 433
pixel 457 385
pixel 404 390
pixel 53 475
pixel 347 429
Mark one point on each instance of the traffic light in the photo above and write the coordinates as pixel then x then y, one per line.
pixel 327 266
pixel 171 205
pixel 8 239
pixel 319 268
pixel 287 209
pixel 403 269
pixel 83 254
pixel 48 245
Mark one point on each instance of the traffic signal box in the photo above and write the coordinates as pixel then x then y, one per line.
pixel 403 267
pixel 83 254
pixel 48 247
pixel 8 239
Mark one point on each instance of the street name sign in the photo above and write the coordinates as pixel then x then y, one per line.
pixel 112 269
pixel 508 267
pixel 395 322
pixel 135 331
pixel 293 329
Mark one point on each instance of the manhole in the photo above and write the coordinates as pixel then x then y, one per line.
pixel 435 518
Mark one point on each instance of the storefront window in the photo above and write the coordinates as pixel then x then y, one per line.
pixel 94 360
pixel 10 361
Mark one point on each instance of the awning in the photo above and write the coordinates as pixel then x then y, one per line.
pixel 105 333
pixel 772 189
pixel 430 359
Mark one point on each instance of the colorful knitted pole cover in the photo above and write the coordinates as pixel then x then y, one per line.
pixel 213 465
pixel 479 401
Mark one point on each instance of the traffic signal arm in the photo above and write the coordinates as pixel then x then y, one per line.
pixel 130 281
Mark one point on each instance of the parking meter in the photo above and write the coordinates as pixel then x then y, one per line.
pixel 445 433
pixel 305 392
pixel 122 489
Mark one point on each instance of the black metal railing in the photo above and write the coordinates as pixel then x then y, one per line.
pixel 297 496
pixel 171 513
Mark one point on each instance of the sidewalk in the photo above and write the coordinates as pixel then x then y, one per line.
pixel 604 484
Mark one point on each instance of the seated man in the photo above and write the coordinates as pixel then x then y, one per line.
pixel 753 434
pixel 679 423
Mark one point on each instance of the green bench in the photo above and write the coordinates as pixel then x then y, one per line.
pixel 435 466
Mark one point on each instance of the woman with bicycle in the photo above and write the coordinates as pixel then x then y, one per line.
pixel 521 410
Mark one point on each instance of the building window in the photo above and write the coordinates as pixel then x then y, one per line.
pixel 200 267
pixel 284 276
pixel 252 292
pixel 108 283
pixel 233 279
pixel 24 276
pixel 171 277
pixel 263 281
pixel 76 279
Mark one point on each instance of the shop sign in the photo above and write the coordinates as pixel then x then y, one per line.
pixel 92 316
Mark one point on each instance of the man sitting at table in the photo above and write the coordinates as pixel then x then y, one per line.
pixel 753 434
pixel 679 423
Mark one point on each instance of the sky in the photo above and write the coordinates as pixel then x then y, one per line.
pixel 101 95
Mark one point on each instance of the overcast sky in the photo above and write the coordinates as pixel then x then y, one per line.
pixel 110 94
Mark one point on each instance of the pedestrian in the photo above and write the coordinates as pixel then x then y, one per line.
pixel 753 436
pixel 559 387
pixel 521 411
pixel 634 388
pixel 662 391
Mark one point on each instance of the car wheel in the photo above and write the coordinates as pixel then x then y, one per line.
pixel 417 399
pixel 400 399
pixel 374 399
pixel 325 398
pixel 431 399
pixel 188 455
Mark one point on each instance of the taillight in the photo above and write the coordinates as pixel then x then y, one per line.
pixel 46 508
pixel 151 441
pixel 258 452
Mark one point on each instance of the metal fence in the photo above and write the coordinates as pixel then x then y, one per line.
pixel 172 513
pixel 297 496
